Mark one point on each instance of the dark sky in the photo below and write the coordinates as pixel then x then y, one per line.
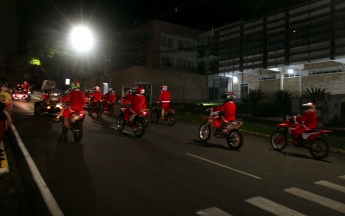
pixel 41 17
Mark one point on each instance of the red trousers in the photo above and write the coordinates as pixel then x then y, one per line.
pixel 296 131
pixel 68 111
pixel 165 106
pixel 128 112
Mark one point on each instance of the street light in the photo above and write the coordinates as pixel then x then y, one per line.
pixel 82 39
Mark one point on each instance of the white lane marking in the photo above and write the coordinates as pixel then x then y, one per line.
pixel 272 207
pixel 46 194
pixel 214 211
pixel 331 185
pixel 342 177
pixel 121 131
pixel 340 207
pixel 239 171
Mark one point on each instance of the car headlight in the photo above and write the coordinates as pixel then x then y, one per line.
pixel 56 94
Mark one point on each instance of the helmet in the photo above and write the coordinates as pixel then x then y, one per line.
pixel 25 82
pixel 111 92
pixel 309 107
pixel 142 92
pixel 230 96
pixel 110 89
pixel 75 84
pixel 97 88
pixel 18 84
pixel 164 87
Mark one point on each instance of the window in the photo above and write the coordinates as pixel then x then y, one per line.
pixel 185 64
pixel 327 70
pixel 167 62
pixel 167 42
pixel 276 43
pixel 266 77
pixel 185 45
pixel 244 89
pixel 294 74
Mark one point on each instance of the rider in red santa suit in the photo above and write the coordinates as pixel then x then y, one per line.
pixel 111 97
pixel 97 94
pixel 138 102
pixel 105 100
pixel 26 86
pixel 164 98
pixel 229 109
pixel 77 99
pixel 308 120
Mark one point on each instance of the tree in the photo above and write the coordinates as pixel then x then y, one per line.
pixel 313 93
pixel 254 96
pixel 282 97
pixel 57 59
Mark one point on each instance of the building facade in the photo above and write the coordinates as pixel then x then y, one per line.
pixel 293 49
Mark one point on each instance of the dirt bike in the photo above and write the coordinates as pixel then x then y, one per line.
pixel 137 121
pixel 96 107
pixel 168 115
pixel 75 120
pixel 229 131
pixel 314 139
pixel 109 107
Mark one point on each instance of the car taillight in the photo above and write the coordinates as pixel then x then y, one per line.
pixel 48 107
pixel 81 115
pixel 144 113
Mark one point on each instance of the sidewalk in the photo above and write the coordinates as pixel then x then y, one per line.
pixel 13 200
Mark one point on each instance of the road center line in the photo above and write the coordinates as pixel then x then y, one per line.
pixel 212 212
pixel 239 171
pixel 340 207
pixel 331 185
pixel 342 177
pixel 272 207
pixel 46 194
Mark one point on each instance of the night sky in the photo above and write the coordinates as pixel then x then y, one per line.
pixel 42 17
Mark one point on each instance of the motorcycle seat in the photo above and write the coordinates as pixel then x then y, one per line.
pixel 312 131
pixel 230 122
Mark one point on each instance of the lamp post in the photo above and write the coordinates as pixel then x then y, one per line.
pixel 82 39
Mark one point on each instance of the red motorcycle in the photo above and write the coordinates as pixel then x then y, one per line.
pixel 314 139
pixel 168 115
pixel 137 121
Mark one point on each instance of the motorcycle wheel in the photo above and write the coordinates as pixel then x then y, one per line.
pixel 38 110
pixel 89 109
pixel 319 148
pixel 235 139
pixel 154 116
pixel 171 119
pixel 282 142
pixel 99 112
pixel 204 132
pixel 140 130
pixel 120 123
pixel 146 121
pixel 78 131
pixel 64 130
pixel 110 112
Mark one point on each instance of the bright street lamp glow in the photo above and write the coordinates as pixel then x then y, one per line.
pixel 290 71
pixel 235 80
pixel 81 39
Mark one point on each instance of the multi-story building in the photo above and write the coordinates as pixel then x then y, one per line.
pixel 159 53
pixel 295 48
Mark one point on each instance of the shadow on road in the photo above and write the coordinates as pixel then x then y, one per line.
pixel 299 156
pixel 69 178
pixel 102 122
pixel 207 145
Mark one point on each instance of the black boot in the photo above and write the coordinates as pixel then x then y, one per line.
pixel 300 141
pixel 218 131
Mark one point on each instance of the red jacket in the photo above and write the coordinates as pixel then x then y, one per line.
pixel 98 96
pixel 106 96
pixel 77 99
pixel 229 109
pixel 309 120
pixel 111 98
pixel 26 87
pixel 138 102
pixel 126 97
pixel 164 97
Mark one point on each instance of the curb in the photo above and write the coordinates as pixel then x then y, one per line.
pixel 3 163
pixel 335 150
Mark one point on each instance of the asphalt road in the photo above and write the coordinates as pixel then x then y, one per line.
pixel 169 171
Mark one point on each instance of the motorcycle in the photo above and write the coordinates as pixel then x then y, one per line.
pixel 314 139
pixel 137 121
pixel 109 107
pixel 168 115
pixel 95 107
pixel 75 120
pixel 229 130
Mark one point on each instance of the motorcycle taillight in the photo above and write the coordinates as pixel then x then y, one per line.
pixel 144 113
pixel 81 115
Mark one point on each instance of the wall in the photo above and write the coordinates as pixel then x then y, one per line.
pixel 291 84
pixel 181 85
pixel 322 65
pixel 334 83
pixel 251 79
